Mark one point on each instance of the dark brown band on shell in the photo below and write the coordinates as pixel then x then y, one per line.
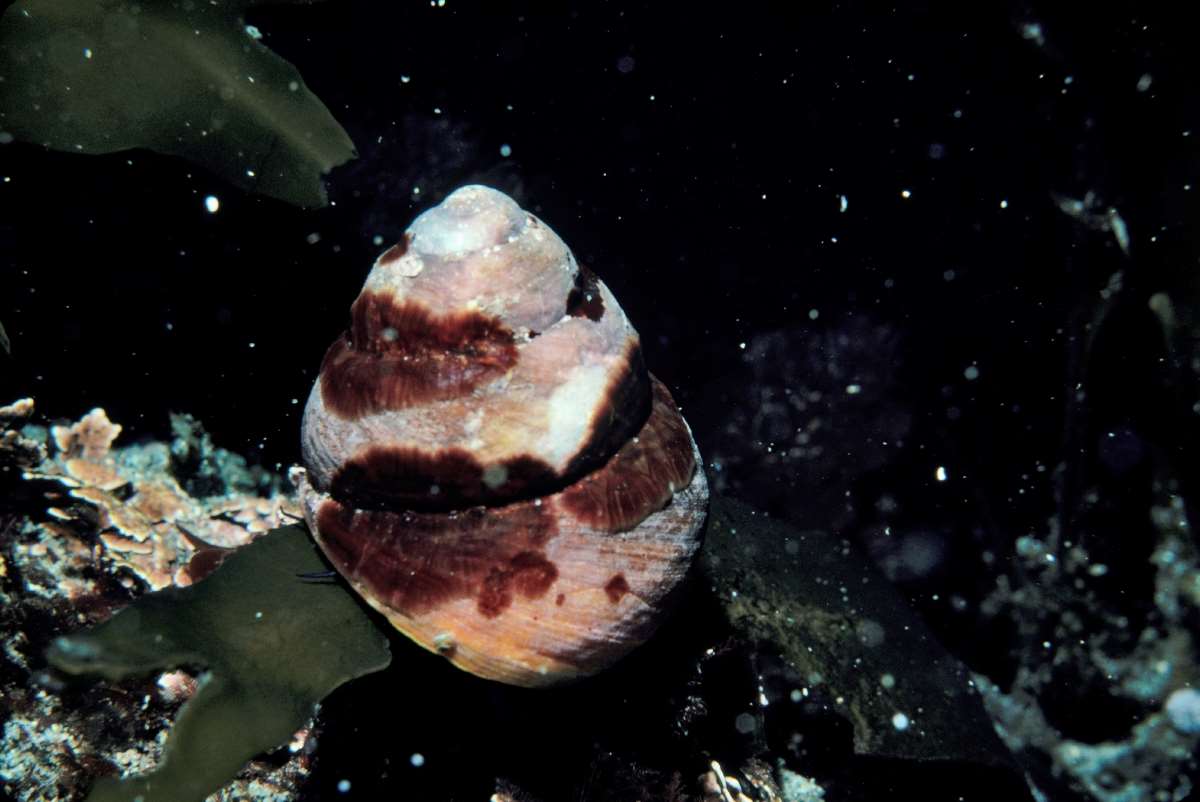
pixel 398 355
pixel 415 562
pixel 452 479
pixel 642 476
pixel 384 476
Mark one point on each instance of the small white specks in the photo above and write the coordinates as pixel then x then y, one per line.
pixel 940 473
pixel 813 314
pixel 742 346
pixel 1004 203
pixel 258 615
pixel 887 681
pixel 377 240
pixel 494 476
pixel 293 86
pixel 971 373
pixel 253 32
pixel 853 389
pixel 796 695
pixel 506 150
pixel 900 722
pixel 906 193
pixel 405 79
pixel 313 238
pixel 1144 82
pixel 251 345
pixel 87 52
pixel 1117 225
pixel 390 334
pixel 843 203
pixel 212 203
pixel 343 786
pixel 295 401
pixel 417 760
pixel 1032 31
pixel 1183 709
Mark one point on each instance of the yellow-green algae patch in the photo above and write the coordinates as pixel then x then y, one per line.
pixel 270 645
pixel 188 79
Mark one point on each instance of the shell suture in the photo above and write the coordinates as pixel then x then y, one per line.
pixel 488 461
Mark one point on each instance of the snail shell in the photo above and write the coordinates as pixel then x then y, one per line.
pixel 488 463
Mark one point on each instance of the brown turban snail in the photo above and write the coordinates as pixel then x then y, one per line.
pixel 487 461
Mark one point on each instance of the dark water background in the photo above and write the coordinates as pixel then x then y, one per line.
pixel 696 159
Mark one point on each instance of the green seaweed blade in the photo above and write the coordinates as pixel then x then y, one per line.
pixel 183 79
pixel 271 644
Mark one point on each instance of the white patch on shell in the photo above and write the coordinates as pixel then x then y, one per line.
pixel 569 411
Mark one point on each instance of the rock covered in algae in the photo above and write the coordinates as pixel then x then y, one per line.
pixel 271 645
pixel 850 643
pixel 87 525
pixel 184 79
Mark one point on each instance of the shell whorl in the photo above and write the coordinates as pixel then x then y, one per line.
pixel 488 461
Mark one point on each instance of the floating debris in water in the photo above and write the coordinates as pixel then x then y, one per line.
pixel 1089 211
